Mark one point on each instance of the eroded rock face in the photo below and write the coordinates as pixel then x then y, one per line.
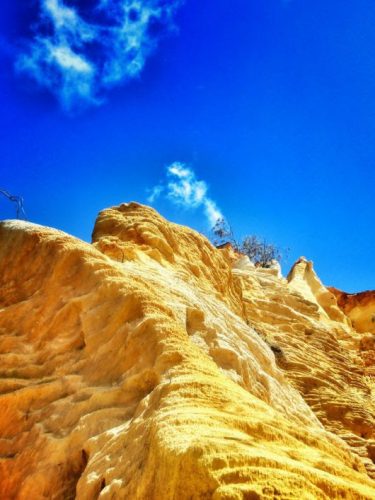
pixel 304 280
pixel 141 367
pixel 359 307
pixel 317 350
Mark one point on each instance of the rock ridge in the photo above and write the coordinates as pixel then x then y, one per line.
pixel 151 365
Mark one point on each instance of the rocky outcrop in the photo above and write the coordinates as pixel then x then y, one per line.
pixel 304 280
pixel 149 366
pixel 316 349
pixel 359 307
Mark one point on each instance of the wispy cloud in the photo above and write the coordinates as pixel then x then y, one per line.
pixel 79 52
pixel 183 189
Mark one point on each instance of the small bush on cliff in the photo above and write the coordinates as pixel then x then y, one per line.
pixel 222 233
pixel 258 250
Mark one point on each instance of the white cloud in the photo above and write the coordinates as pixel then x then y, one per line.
pixel 155 193
pixel 61 15
pixel 68 60
pixel 212 211
pixel 184 189
pixel 79 53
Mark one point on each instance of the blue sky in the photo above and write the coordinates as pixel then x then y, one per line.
pixel 269 103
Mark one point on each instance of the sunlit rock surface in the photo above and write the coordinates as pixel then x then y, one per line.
pixel 320 354
pixel 359 307
pixel 150 365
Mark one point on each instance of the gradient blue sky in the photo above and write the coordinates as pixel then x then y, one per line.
pixel 270 102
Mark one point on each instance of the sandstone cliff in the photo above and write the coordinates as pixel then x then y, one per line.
pixel 150 365
pixel 359 307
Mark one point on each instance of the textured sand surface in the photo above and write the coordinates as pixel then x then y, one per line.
pixel 151 365
pixel 317 350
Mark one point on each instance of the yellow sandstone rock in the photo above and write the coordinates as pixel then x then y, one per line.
pixel 150 365
pixel 318 351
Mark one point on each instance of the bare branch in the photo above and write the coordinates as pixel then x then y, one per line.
pixel 18 200
pixel 222 233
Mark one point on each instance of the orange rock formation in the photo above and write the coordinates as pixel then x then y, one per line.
pixel 359 307
pixel 150 365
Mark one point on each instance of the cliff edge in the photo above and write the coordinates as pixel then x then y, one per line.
pixel 151 365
